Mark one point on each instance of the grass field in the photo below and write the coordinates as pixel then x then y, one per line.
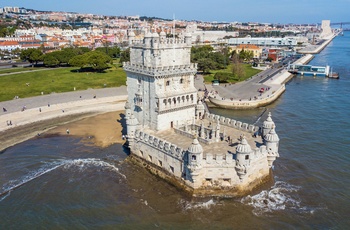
pixel 57 80
pixel 15 70
pixel 248 70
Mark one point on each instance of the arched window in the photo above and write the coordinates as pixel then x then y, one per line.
pixel 167 83
pixel 164 102
pixel 174 100
pixel 192 97
pixel 194 157
pixel 181 81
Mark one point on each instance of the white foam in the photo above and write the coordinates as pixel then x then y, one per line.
pixel 81 164
pixel 199 205
pixel 281 196
pixel 13 184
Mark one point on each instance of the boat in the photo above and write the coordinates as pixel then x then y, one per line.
pixel 334 75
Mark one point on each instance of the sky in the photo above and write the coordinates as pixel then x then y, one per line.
pixel 263 11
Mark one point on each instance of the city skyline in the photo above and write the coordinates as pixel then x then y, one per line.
pixel 272 11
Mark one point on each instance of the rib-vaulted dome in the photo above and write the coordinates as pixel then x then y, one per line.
pixel 272 136
pixel 133 120
pixel 195 147
pixel 243 147
pixel 269 122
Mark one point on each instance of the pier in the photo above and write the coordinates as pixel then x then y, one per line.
pixel 309 70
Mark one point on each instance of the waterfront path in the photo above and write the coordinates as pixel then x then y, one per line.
pixel 78 104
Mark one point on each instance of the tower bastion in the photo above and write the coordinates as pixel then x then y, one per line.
pixel 169 131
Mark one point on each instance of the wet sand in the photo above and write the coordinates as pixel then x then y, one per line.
pixel 101 130
pixel 95 128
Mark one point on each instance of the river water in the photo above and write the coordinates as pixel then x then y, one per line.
pixel 60 183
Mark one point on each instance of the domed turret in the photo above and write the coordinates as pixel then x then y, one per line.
pixel 188 38
pixel 267 125
pixel 147 39
pixel 131 126
pixel 243 151
pixel 200 110
pixel 155 40
pixel 195 147
pixel 131 37
pixel 195 156
pixel 127 110
pixel 243 147
pixel 271 142
pixel 272 136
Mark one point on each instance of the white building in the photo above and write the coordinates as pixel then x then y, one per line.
pixel 287 41
pixel 161 81
pixel 169 132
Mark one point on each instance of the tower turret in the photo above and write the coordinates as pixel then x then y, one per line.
pixel 162 36
pixel 155 40
pixel 267 125
pixel 188 38
pixel 127 110
pixel 131 37
pixel 271 142
pixel 195 156
pixel 243 152
pixel 199 110
pixel 147 39
pixel 131 124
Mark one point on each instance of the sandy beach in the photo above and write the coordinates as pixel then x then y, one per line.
pixel 97 121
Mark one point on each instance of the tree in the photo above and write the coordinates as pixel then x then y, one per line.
pixel 78 61
pixel 246 55
pixel 237 67
pixel 206 64
pixel 113 52
pixel 96 60
pixel 51 59
pixel 125 56
pixel 32 55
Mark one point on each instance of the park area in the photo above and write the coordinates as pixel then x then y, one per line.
pixel 29 82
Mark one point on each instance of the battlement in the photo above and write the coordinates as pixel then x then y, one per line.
pixel 160 144
pixel 161 71
pixel 232 123
pixel 161 42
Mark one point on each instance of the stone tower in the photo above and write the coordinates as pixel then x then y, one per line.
pixel 160 80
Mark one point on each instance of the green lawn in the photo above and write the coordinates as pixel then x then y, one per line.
pixel 15 69
pixel 57 80
pixel 248 70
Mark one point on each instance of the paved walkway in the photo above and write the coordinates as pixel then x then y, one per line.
pixel 58 105
pixel 16 105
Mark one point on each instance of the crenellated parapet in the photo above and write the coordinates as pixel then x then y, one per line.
pixel 232 123
pixel 161 71
pixel 160 144
pixel 161 42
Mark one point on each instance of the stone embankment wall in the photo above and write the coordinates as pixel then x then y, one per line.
pixel 246 104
